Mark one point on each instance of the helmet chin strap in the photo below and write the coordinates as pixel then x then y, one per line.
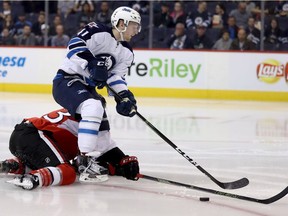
pixel 121 32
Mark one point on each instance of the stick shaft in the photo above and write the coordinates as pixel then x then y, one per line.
pixel 230 185
pixel 207 190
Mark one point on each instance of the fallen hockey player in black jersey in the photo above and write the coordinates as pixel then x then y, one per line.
pixel 45 147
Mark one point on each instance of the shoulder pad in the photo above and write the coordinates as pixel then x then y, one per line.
pixel 93 28
pixel 127 45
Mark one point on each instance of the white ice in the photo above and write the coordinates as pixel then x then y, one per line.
pixel 229 139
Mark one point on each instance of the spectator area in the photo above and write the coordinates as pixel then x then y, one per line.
pixel 71 21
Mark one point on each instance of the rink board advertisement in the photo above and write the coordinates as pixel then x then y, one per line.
pixel 29 65
pixel 227 75
pixel 210 70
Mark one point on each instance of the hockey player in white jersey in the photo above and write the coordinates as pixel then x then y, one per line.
pixel 97 56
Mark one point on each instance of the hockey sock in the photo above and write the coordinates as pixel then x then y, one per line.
pixel 63 174
pixel 91 113
pixel 68 174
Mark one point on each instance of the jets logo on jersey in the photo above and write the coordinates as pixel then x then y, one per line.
pixel 109 60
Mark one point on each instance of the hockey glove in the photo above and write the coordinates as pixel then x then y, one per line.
pixel 98 72
pixel 126 106
pixel 128 168
pixel 11 166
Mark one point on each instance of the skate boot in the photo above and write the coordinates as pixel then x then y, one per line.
pixel 26 181
pixel 90 170
pixel 9 166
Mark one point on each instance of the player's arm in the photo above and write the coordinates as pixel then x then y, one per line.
pixel 79 53
pixel 127 105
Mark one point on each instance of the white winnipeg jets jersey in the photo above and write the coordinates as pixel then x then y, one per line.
pixel 97 40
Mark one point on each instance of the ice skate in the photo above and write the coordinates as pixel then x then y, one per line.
pixel 27 181
pixel 93 172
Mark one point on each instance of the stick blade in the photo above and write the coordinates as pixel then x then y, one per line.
pixel 275 198
pixel 207 190
pixel 234 185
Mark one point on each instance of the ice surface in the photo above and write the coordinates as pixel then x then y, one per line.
pixel 229 139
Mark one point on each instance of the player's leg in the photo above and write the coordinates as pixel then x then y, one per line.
pixel 88 167
pixel 41 154
pixel 78 98
pixel 90 170
pixel 63 174
pixel 82 100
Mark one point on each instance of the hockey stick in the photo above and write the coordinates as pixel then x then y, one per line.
pixel 225 185
pixel 235 196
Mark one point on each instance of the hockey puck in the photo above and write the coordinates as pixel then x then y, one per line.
pixel 204 199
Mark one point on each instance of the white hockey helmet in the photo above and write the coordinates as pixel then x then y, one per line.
pixel 126 14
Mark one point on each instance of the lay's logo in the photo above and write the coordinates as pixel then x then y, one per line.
pixel 271 71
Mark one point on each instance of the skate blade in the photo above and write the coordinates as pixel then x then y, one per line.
pixel 90 178
pixel 16 182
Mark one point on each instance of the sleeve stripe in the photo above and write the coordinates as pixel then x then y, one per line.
pixel 72 52
pixel 74 40
pixel 79 44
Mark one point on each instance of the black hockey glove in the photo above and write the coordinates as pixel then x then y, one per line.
pixel 128 168
pixel 126 106
pixel 98 72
